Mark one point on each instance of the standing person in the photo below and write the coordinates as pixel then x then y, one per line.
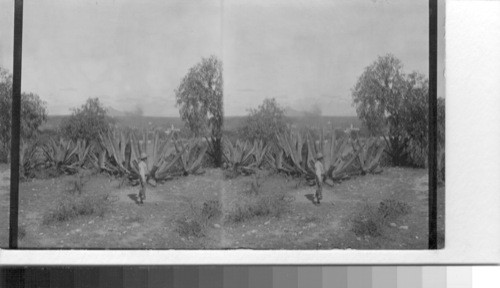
pixel 143 170
pixel 320 173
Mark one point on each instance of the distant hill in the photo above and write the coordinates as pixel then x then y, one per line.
pixel 293 113
pixel 112 112
pixel 234 122
pixel 231 123
pixel 139 122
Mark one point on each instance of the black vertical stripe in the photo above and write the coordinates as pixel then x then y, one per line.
pixel 433 40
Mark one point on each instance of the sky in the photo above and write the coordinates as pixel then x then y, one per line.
pixel 304 53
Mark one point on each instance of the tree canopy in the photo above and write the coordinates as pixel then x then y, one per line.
pixel 394 105
pixel 87 121
pixel 264 122
pixel 33 112
pixel 199 98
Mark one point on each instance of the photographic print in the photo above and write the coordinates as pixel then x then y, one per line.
pixel 265 125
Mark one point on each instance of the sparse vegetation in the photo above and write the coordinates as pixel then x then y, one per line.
pixel 211 210
pixel 71 207
pixel 274 205
pixel 196 220
pixel 391 209
pixel 367 222
pixel 371 220
pixel 189 227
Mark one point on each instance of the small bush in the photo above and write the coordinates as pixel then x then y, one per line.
pixel 391 209
pixel 264 122
pixel 196 220
pixel 273 205
pixel 370 220
pixel 71 207
pixel 367 222
pixel 188 227
pixel 212 209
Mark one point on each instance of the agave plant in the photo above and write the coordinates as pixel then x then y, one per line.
pixel 124 155
pixel 191 155
pixel 28 157
pixel 82 152
pixel 369 155
pixel 117 160
pixel 337 152
pixel 62 155
pixel 293 160
pixel 260 151
pixel 239 156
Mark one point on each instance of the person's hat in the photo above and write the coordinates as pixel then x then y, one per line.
pixel 144 155
pixel 319 156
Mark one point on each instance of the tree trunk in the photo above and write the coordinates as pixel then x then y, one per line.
pixel 218 152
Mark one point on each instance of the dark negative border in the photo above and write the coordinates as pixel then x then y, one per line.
pixel 433 59
pixel 16 121
pixel 16 124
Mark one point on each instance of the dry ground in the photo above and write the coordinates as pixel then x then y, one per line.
pixel 153 225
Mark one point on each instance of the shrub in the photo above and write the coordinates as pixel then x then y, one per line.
pixel 212 209
pixel 33 114
pixel 391 209
pixel 87 121
pixel 271 205
pixel 370 220
pixel 367 222
pixel 195 222
pixel 264 122
pixel 188 227
pixel 71 207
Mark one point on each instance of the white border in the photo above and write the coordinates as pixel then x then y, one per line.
pixel 473 170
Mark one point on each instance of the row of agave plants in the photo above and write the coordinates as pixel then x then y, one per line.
pixel 167 157
pixel 117 152
pixel 294 153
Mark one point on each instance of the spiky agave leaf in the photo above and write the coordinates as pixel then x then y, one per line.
pixel 115 146
pixel 61 154
pixel 82 151
pixel 291 143
pixel 192 153
pixel 28 156
pixel 369 154
pixel 259 152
